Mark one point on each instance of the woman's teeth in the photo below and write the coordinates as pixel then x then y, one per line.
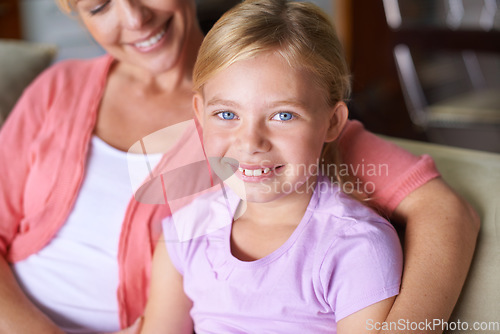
pixel 254 172
pixel 152 41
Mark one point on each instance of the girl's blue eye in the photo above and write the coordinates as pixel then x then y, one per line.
pixel 283 116
pixel 227 115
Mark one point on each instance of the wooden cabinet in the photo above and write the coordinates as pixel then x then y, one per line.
pixel 10 26
pixel 449 62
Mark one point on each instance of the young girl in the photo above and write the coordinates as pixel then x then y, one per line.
pixel 282 249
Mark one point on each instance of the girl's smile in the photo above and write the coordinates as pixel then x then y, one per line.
pixel 257 173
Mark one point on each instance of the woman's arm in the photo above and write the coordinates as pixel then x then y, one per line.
pixel 366 321
pixel 441 228
pixel 18 314
pixel 167 310
pixel 441 232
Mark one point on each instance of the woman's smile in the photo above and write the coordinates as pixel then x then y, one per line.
pixel 150 43
pixel 150 35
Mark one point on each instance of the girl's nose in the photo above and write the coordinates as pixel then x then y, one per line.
pixel 134 14
pixel 253 139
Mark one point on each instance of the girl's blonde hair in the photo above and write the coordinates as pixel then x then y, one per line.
pixel 301 32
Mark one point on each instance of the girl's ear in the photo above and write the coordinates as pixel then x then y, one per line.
pixel 338 119
pixel 198 107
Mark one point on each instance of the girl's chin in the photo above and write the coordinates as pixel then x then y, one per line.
pixel 261 198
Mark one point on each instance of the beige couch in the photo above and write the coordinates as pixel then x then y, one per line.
pixel 476 176
pixel 20 63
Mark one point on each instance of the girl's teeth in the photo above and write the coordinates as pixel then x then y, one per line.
pixel 152 41
pixel 254 172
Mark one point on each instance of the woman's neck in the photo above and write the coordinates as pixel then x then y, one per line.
pixel 137 103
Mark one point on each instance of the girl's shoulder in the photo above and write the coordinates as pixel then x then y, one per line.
pixel 337 217
pixel 208 212
pixel 334 203
pixel 354 244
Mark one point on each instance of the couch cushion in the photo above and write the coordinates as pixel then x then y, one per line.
pixel 474 175
pixel 20 63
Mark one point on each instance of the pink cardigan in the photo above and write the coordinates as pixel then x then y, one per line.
pixel 42 161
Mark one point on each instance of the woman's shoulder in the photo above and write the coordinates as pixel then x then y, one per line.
pixel 80 65
pixel 76 68
pixel 66 78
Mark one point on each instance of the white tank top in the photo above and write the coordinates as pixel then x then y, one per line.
pixel 74 279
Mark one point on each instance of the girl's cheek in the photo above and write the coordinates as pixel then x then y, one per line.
pixel 212 145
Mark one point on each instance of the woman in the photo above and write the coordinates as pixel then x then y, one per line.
pixel 80 247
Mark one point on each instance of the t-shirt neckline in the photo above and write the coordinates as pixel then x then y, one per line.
pixel 234 202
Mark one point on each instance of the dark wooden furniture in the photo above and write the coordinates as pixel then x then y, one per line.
pixel 10 24
pixel 379 97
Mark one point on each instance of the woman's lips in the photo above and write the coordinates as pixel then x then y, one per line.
pixel 153 41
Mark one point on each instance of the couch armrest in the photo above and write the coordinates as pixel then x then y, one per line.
pixel 476 176
pixel 20 63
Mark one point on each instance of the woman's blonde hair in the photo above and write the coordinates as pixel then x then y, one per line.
pixel 65 5
pixel 301 32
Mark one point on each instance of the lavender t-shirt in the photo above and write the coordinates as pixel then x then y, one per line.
pixel 341 258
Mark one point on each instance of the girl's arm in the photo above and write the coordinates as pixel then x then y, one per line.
pixel 167 310
pixel 366 321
